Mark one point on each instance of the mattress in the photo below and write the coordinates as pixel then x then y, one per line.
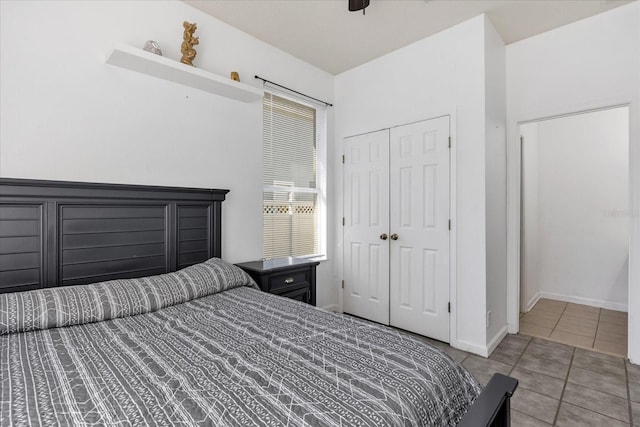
pixel 205 347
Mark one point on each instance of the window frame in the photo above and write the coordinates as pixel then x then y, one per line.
pixel 321 173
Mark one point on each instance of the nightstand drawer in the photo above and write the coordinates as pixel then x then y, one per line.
pixel 288 279
pixel 301 294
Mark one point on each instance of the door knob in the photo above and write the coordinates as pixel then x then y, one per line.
pixel 394 236
pixel 383 236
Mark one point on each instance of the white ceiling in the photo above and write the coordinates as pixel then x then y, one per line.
pixel 324 33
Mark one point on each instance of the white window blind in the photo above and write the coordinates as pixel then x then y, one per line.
pixel 290 198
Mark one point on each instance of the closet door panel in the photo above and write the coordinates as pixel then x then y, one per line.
pixel 419 217
pixel 366 213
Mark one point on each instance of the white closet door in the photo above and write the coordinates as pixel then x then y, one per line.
pixel 419 205
pixel 366 212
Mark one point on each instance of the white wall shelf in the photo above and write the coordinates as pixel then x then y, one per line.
pixel 158 66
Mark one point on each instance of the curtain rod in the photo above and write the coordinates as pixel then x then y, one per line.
pixel 294 91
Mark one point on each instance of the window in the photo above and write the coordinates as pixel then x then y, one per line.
pixel 292 197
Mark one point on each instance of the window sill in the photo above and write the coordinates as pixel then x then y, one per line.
pixel 319 258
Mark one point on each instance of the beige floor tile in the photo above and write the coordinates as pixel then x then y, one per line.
pixel 578 325
pixel 612 328
pixel 551 305
pixel 546 310
pixel 583 308
pixel 572 328
pixel 590 313
pixel 612 347
pixel 534 330
pixel 614 321
pixel 539 320
pixel 582 315
pixel 569 319
pixel 536 312
pixel 612 313
pixel 571 339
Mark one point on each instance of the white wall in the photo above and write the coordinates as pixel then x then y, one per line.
pixel 495 184
pixel 582 208
pixel 589 64
pixel 441 74
pixel 66 115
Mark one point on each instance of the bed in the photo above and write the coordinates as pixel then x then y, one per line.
pixel 172 335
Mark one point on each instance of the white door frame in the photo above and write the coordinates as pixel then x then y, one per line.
pixel 453 211
pixel 514 171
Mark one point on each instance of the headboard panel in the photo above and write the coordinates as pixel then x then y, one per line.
pixel 22 239
pixel 55 233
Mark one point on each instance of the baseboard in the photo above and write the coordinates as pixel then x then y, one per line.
pixel 497 339
pixel 331 307
pixel 585 301
pixel 482 350
pixel 471 348
pixel 529 305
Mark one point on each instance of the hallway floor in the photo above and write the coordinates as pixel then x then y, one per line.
pixel 577 325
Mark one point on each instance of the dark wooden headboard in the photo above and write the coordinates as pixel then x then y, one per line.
pixel 56 233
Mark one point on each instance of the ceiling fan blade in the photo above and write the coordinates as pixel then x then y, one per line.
pixel 355 5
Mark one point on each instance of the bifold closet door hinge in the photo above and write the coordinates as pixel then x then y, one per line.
pixel 343 221
pixel 449 224
pixel 449 144
pixel 343 159
pixel 343 284
pixel 448 307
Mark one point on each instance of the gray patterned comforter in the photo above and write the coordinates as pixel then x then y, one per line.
pixel 223 354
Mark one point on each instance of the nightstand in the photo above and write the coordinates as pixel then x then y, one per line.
pixel 288 277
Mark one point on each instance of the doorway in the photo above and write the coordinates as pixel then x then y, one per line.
pixel 574 243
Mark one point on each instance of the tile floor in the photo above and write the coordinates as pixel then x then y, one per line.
pixel 560 385
pixel 578 325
